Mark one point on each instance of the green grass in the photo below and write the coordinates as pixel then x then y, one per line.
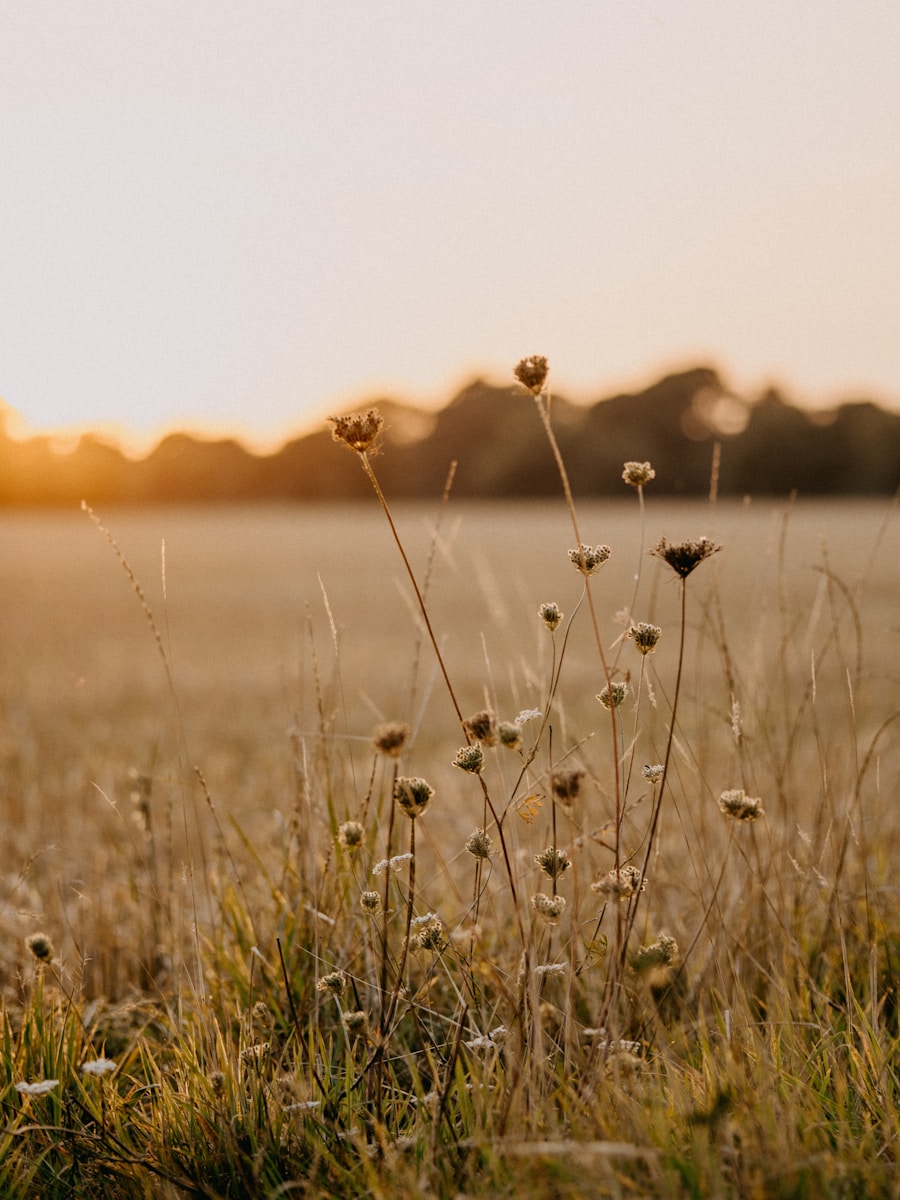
pixel 177 766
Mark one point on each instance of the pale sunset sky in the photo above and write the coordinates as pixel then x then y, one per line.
pixel 235 216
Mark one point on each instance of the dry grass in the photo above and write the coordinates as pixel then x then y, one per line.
pixel 172 826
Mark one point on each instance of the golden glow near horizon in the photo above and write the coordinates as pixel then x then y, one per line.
pixel 242 217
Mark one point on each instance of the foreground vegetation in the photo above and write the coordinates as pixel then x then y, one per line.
pixel 595 903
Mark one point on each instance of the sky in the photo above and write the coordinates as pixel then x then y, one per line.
pixel 239 216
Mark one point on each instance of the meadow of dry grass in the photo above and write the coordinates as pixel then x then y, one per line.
pixel 175 770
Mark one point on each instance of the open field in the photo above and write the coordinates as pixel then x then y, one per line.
pixel 175 769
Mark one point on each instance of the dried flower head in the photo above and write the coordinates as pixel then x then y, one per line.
pixel 470 758
pixel 334 982
pixel 566 785
pixel 621 884
pixel 644 636
pixel 391 864
pixel 40 1088
pixel 589 559
pixel 98 1066
pixel 532 373
pixel 654 773
pixel 548 908
pixel 40 946
pixel 551 614
pixel 370 902
pixel 391 738
pixel 351 834
pixel 482 726
pixel 480 844
pixel 613 694
pixel 509 734
pixel 356 1023
pixel 682 557
pixel 359 431
pixel 636 474
pixel 255 1056
pixel 553 862
pixel 661 953
pixel 413 795
pixel 549 970
pixel 737 804
pixel 430 936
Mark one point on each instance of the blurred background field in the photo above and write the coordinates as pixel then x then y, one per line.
pixel 291 628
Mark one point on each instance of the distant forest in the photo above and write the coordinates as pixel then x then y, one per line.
pixel 765 446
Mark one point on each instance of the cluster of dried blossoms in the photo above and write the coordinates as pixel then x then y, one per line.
pixel 741 807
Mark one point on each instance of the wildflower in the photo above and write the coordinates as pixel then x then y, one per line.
pixel 391 738
pixel 620 884
pixel 351 834
pixel 98 1066
pixel 334 982
pixel 613 694
pixel 553 862
pixel 40 946
pixel 480 844
pixel 636 474
pixel 566 785
pixel 359 432
pixel 532 373
pixel 549 908
pixel 413 795
pixel 470 758
pixel 430 937
pixel 41 1088
pixel 644 636
pixel 654 773
pixel 487 1041
pixel 736 803
pixel 551 614
pixel 682 557
pixel 370 902
pixel 509 734
pixel 482 727
pixel 528 714
pixel 254 1056
pixel 355 1022
pixel 589 559
pixel 391 864
pixel 261 1016
pixel 661 953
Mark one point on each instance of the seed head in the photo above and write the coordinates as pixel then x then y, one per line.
pixel 589 559
pixel 256 1055
pixel 351 834
pixel 613 694
pixel 359 431
pixel 682 557
pixel 644 636
pixel 40 1088
pixel 548 908
pixel 661 953
pixel 40 946
pixel 737 804
pixel 482 726
pixel 621 884
pixel 430 937
pixel 355 1023
pixel 509 734
pixel 470 758
pixel 566 785
pixel 553 862
pixel 636 474
pixel 413 795
pixel 391 738
pixel 654 773
pixel 334 982
pixel 370 902
pixel 480 844
pixel 551 614
pixel 532 373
